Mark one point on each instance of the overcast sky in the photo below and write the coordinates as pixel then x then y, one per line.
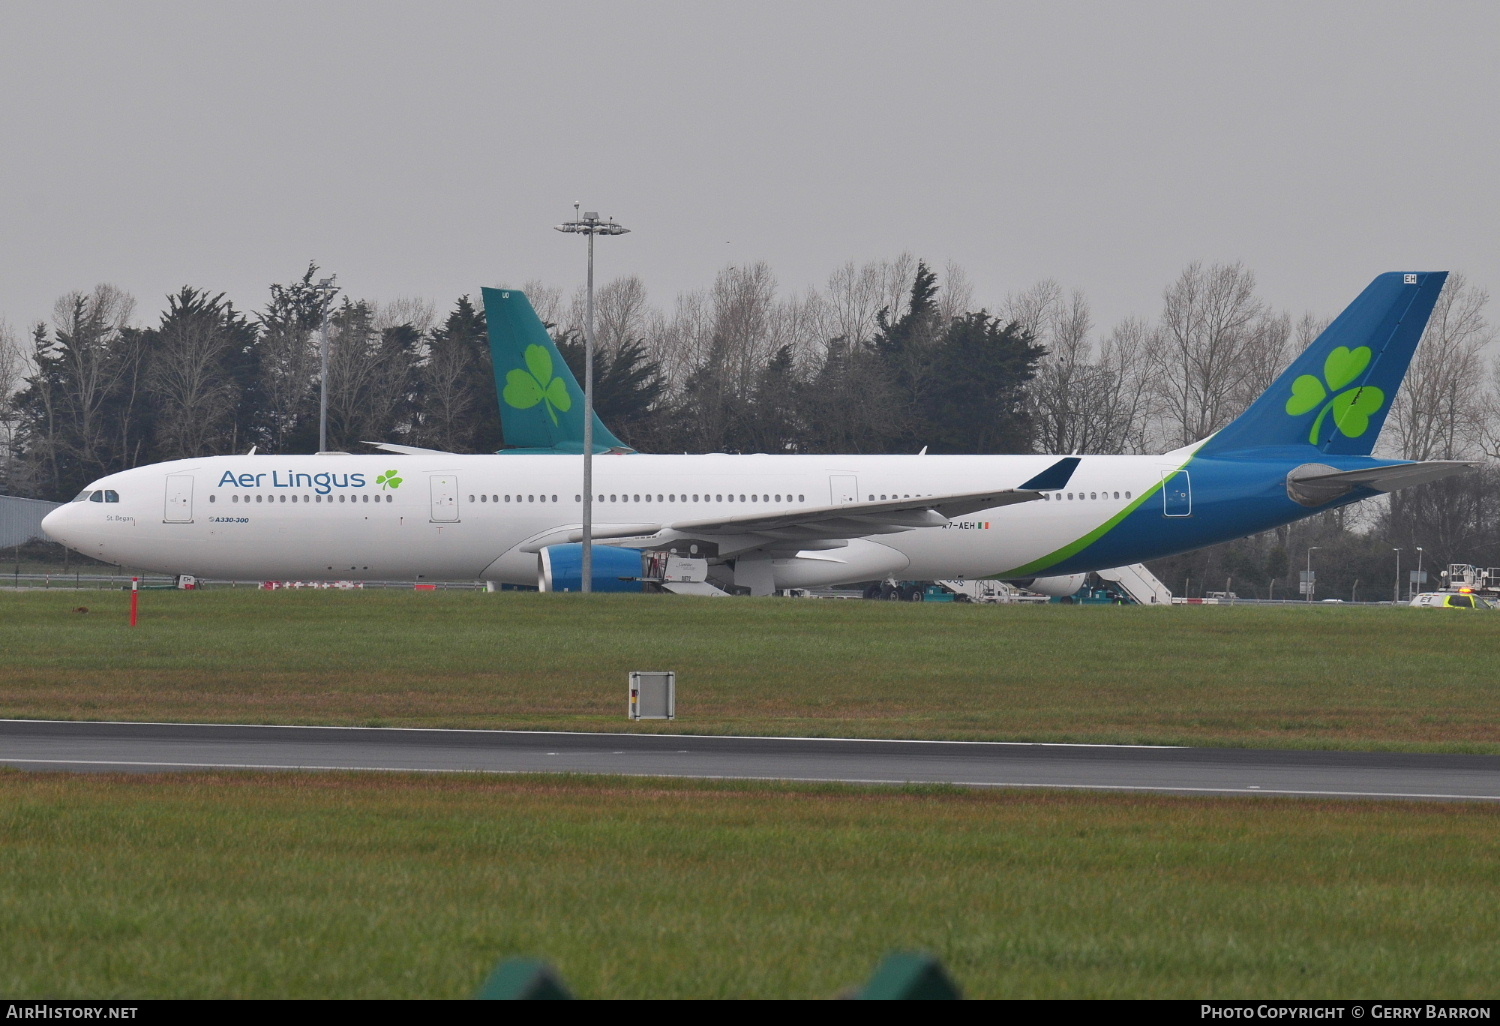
pixel 425 149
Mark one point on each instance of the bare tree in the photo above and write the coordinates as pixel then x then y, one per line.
pixel 1214 335
pixel 546 300
pixel 1084 398
pixel 1439 412
pixel 854 297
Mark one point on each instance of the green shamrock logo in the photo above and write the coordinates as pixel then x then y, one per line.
pixel 1352 409
pixel 388 480
pixel 525 388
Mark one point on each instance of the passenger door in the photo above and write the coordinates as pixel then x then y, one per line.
pixel 179 504
pixel 444 491
pixel 843 489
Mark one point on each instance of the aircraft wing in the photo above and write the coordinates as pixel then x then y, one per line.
pixel 409 450
pixel 808 526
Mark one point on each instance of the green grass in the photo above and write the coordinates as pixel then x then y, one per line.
pixel 383 886
pixel 1281 677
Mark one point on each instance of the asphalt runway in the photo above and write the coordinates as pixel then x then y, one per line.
pixel 156 747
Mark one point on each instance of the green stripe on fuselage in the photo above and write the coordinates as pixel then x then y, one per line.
pixel 1073 548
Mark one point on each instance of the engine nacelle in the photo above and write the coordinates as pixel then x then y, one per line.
pixel 1057 587
pixel 560 568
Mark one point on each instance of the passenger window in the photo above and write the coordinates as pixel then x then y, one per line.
pixel 718 498
pixel 800 499
pixel 635 498
pixel 283 498
pixel 554 498
pixel 472 499
pixel 294 498
pixel 648 496
pixel 213 498
pixel 1127 495
pixel 1093 495
pixel 482 498
pixel 1117 495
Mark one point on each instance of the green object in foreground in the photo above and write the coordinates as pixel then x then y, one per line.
pixel 910 976
pixel 523 979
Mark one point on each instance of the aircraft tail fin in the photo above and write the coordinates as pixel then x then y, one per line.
pixel 1336 395
pixel 541 403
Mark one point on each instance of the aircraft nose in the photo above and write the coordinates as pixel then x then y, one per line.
pixel 55 525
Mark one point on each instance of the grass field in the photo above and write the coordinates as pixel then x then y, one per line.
pixel 1319 677
pixel 363 885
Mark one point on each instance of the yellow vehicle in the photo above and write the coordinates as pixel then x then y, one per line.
pixel 1464 598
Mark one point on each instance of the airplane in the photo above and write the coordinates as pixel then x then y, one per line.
pixel 761 523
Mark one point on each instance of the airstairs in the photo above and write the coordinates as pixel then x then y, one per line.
pixel 1139 583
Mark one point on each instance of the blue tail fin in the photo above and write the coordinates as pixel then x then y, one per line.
pixel 1336 395
pixel 541 405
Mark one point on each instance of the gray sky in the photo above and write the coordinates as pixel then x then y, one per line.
pixel 425 149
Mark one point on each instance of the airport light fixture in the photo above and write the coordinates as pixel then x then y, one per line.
pixel 1308 580
pixel 325 290
pixel 590 225
pixel 1396 594
pixel 1418 581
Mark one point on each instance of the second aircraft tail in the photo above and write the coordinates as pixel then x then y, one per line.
pixel 541 404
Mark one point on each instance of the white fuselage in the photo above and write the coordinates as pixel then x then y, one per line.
pixel 338 516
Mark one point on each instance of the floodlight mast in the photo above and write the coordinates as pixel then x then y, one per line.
pixel 589 224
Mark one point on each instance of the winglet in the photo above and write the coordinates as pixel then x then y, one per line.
pixel 1054 477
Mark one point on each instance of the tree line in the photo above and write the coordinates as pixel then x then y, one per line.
pixel 887 357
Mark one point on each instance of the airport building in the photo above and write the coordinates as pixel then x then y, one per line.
pixel 21 519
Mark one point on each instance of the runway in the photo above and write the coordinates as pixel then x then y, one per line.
pixel 156 747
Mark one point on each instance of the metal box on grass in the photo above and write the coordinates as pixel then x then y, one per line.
pixel 653 695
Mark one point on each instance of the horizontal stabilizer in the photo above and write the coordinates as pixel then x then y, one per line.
pixel 1313 484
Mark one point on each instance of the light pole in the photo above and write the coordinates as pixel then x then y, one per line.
pixel 590 225
pixel 1418 581
pixel 1309 578
pixel 326 290
pixel 1396 595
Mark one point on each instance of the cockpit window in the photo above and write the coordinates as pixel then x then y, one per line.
pixel 97 496
pixel 83 495
pixel 110 495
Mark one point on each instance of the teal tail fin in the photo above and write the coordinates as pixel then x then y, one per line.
pixel 1336 395
pixel 541 404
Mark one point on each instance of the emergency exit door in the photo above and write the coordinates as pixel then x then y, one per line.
pixel 179 507
pixel 843 489
pixel 1176 493
pixel 444 498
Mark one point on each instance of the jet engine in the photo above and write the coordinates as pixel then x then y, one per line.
pixel 560 568
pixel 1057 587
